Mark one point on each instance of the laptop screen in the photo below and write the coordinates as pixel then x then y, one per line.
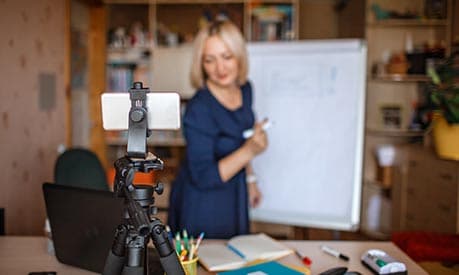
pixel 83 223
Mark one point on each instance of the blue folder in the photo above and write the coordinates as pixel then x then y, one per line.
pixel 269 268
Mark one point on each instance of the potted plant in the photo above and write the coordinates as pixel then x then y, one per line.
pixel 443 92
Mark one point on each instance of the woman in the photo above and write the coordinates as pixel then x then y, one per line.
pixel 215 184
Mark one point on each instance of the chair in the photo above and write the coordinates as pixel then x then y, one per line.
pixel 80 167
pixel 428 246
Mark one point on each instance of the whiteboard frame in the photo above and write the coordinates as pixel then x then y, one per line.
pixel 334 45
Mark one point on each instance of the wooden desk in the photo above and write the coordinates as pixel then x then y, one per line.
pixel 20 255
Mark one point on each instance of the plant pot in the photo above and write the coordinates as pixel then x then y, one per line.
pixel 446 138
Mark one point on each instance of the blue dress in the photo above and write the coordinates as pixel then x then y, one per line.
pixel 200 201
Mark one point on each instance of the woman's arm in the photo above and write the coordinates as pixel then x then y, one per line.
pixel 240 158
pixel 252 187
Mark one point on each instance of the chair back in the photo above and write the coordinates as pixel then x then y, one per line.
pixel 80 167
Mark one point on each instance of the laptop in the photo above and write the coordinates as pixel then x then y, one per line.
pixel 83 223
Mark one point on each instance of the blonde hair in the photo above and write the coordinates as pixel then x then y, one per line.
pixel 232 37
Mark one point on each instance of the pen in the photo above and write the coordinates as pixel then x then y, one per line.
pixel 192 250
pixel 198 242
pixel 306 261
pixel 235 250
pixel 333 252
pixel 185 239
pixel 249 132
pixel 169 234
pixel 177 243
pixel 183 255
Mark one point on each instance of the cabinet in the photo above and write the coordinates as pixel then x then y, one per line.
pixel 395 90
pixel 426 192
pixel 395 79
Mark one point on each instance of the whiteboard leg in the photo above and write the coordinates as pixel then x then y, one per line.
pixel 336 235
pixel 300 233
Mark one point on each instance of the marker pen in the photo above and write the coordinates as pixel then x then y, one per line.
pixel 333 252
pixel 249 132
pixel 306 261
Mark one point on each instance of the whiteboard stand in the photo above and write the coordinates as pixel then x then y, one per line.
pixel 301 233
pixel 306 233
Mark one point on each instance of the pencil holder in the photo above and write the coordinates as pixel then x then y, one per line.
pixel 190 266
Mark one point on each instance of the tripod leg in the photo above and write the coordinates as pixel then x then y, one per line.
pixel 168 257
pixel 116 256
pixel 135 256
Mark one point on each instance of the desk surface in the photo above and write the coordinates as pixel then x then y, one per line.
pixel 20 255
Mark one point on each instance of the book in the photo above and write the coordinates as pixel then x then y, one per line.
pixel 267 268
pixel 240 251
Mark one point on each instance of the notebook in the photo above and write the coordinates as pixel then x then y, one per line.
pixel 83 223
pixel 268 268
pixel 240 251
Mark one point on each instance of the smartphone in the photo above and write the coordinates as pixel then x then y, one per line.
pixel 163 111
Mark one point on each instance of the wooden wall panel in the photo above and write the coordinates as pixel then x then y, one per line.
pixel 97 55
pixel 32 45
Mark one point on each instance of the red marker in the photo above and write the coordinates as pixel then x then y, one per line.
pixel 306 261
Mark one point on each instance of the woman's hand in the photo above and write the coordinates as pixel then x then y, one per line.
pixel 254 195
pixel 258 142
pixel 240 158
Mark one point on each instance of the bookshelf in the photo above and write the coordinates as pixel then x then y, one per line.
pixel 394 28
pixel 271 22
pixel 395 133
pixel 392 23
pixel 135 29
pixel 401 78
pixel 167 20
pixel 388 37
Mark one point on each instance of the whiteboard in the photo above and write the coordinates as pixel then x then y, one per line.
pixel 314 93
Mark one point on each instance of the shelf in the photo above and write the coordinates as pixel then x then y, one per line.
pixel 128 56
pixel 127 62
pixel 128 49
pixel 170 1
pixel 191 1
pixel 394 133
pixel 401 78
pixel 389 23
pixel 153 141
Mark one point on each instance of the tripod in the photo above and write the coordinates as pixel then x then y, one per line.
pixel 128 255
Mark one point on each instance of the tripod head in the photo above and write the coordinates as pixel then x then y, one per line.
pixel 137 159
pixel 139 200
pixel 141 197
pixel 138 122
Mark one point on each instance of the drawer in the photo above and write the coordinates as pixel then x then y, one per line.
pixel 429 194
pixel 438 219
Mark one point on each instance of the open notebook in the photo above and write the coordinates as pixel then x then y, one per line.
pixel 240 251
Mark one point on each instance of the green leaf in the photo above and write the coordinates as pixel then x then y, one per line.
pixel 434 76
pixel 435 99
